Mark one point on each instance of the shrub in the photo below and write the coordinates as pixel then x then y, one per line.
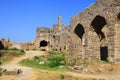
pixel 6 48
pixel 62 76
pixel 52 52
pixel 33 49
pixel 55 61
pixel 94 79
pixel 36 57
pixel 14 48
pixel 54 49
pixel 27 49
pixel 0 71
pixel 22 51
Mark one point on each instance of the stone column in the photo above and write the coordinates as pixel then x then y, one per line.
pixel 59 20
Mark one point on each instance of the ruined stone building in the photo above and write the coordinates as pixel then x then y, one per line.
pixel 53 38
pixel 92 34
pixel 5 42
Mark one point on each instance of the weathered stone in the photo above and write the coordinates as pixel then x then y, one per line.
pixel 92 34
pixel 5 72
pixel 105 68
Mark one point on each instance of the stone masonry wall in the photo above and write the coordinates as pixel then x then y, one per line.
pixel 101 12
pixel 92 34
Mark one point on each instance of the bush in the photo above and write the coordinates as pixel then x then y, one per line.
pixel 52 52
pixel 14 49
pixel 33 49
pixel 36 57
pixel 0 71
pixel 27 49
pixel 6 48
pixel 62 76
pixel 22 51
pixel 55 61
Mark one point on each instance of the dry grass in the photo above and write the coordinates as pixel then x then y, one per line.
pixel 54 75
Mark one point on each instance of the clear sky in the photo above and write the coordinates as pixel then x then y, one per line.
pixel 20 18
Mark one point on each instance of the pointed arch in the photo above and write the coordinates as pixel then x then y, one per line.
pixel 79 31
pixel 97 24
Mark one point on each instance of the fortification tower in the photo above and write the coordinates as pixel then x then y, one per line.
pixel 42 37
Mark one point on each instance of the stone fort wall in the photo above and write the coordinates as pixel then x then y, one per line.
pixel 92 34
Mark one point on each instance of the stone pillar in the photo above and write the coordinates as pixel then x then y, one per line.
pixel 59 23
pixel 59 20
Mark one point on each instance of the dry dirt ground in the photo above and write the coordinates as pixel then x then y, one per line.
pixel 28 73
pixel 34 74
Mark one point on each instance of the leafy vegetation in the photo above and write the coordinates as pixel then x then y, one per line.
pixel 0 71
pixel 56 61
pixel 6 48
pixel 27 49
pixel 62 76
pixel 53 61
pixel 52 52
pixel 33 49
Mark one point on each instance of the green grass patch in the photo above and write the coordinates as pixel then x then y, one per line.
pixel 35 64
pixel 29 63
pixel 56 60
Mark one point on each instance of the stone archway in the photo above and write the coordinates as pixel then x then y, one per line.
pixel 97 24
pixel 79 31
pixel 43 43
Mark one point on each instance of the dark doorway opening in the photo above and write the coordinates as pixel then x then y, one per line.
pixel 43 43
pixel 104 53
pixel 79 31
pixel 97 24
pixel 1 45
pixel 118 16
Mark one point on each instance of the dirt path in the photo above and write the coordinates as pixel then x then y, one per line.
pixel 28 73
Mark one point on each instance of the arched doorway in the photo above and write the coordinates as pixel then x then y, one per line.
pixel 79 31
pixel 43 43
pixel 97 24
pixel 1 45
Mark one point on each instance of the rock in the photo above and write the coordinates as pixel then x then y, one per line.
pixel 61 66
pixel 105 68
pixel 42 62
pixel 78 67
pixel 5 72
pixel 108 67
